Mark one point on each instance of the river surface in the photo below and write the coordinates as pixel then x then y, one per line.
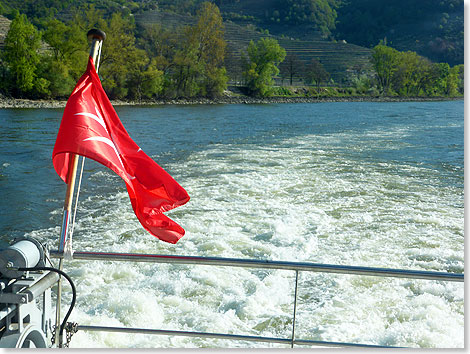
pixel 370 184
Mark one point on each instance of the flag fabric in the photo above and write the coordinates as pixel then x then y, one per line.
pixel 90 127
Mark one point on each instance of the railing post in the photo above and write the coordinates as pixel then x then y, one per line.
pixel 295 307
pixel 97 37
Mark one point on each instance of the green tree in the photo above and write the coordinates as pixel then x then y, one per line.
pixel 437 79
pixel 144 80
pixel 452 82
pixel 118 55
pixel 261 65
pixel 21 56
pixel 319 13
pixel 68 44
pixel 414 75
pixel 420 75
pixel 160 45
pixel 385 61
pixel 186 69
pixel 410 74
pixel 199 64
pixel 457 73
pixel 67 58
pixel 362 83
pixel 88 16
pixel 208 34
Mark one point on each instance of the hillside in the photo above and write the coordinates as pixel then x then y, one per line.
pixel 432 28
pixel 4 26
pixel 264 14
pixel 339 59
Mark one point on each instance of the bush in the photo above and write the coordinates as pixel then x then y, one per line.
pixel 281 91
pixel 312 92
pixel 373 91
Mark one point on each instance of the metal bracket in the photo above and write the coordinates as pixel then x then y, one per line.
pixel 26 290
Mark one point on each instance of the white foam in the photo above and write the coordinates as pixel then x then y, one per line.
pixel 301 200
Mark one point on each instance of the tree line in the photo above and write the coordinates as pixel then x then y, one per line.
pixel 149 62
pixel 408 74
pixel 186 62
pixel 437 25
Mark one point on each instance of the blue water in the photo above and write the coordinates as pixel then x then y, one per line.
pixel 433 138
pixel 379 184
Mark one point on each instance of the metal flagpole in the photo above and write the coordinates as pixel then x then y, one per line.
pixel 97 37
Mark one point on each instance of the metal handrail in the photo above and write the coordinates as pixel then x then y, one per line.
pixel 259 263
pixel 226 336
pixel 254 263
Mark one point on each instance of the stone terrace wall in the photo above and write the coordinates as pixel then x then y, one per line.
pixel 4 27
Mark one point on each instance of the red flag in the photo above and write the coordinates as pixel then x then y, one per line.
pixel 90 127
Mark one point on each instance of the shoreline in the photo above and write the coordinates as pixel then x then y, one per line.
pixel 28 103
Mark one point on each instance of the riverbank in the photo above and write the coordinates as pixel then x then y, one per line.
pixel 27 103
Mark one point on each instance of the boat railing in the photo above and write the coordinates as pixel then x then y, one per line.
pixel 254 263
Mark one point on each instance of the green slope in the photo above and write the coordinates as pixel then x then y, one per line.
pixel 339 59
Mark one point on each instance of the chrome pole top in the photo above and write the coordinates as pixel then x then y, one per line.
pixel 96 34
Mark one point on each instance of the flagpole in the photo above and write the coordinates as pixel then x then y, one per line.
pixel 97 37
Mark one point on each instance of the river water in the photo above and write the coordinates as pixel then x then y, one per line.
pixel 371 184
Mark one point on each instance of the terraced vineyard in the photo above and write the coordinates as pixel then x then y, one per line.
pixel 4 27
pixel 339 59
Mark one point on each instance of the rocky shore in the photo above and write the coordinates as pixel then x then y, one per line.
pixel 6 102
